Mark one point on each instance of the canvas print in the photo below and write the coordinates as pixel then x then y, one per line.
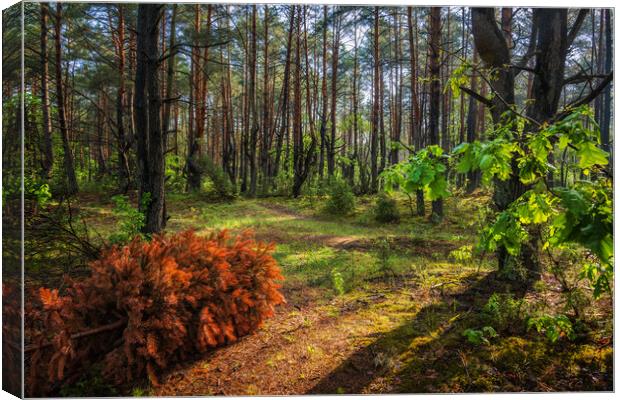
pixel 286 199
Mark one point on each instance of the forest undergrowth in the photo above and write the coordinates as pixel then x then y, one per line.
pixel 375 307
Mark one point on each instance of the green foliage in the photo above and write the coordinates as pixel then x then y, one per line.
pixel 480 336
pixel 221 185
pixel 587 218
pixel 341 200
pixel 386 209
pixel 131 220
pixel 175 181
pixel 492 158
pixel 337 281
pixel 600 276
pixel 457 79
pixel 425 170
pixel 577 214
pixel 35 191
pixel 463 254
pixel 553 327
pixel 504 311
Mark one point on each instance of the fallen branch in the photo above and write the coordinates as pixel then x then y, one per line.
pixel 109 327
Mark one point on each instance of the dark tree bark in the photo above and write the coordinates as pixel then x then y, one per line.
pixel 606 109
pixel 69 165
pixel 435 93
pixel 148 122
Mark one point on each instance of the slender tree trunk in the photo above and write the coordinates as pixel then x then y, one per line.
pixel 265 143
pixel 47 159
pixel 374 141
pixel 284 121
pixel 435 92
pixel 254 128
pixel 324 97
pixel 415 120
pixel 331 153
pixel 72 185
pixel 606 109
pixel 124 144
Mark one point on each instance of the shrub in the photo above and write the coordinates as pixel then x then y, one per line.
pixel 341 200
pixel 222 187
pixel 131 220
pixel 386 209
pixel 157 302
pixel 553 327
pixel 505 312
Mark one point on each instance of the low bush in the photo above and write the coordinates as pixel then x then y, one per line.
pixel 130 219
pixel 147 305
pixel 221 185
pixel 341 200
pixel 386 209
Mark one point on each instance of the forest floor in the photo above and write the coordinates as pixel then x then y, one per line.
pixel 397 324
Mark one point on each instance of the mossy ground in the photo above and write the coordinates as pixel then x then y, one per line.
pixel 397 326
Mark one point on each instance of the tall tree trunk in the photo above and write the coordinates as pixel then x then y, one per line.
pixel 254 128
pixel 199 86
pixel 374 140
pixel 170 78
pixel 284 121
pixel 331 153
pixel 606 109
pixel 124 144
pixel 148 122
pixel 265 142
pixel 435 93
pixel 415 120
pixel 47 159
pixel 302 159
pixel 324 97
pixel 72 185
pixel 473 177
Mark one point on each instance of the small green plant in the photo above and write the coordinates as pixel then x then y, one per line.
pixel 462 255
pixel 341 200
pixel 384 255
pixel 386 209
pixel 553 327
pixel 504 311
pixel 131 220
pixel 480 336
pixel 337 281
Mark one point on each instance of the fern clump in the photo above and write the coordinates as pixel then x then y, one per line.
pixel 149 304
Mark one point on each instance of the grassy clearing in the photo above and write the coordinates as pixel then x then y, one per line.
pixel 378 308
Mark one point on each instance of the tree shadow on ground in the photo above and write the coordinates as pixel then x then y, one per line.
pixel 426 352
